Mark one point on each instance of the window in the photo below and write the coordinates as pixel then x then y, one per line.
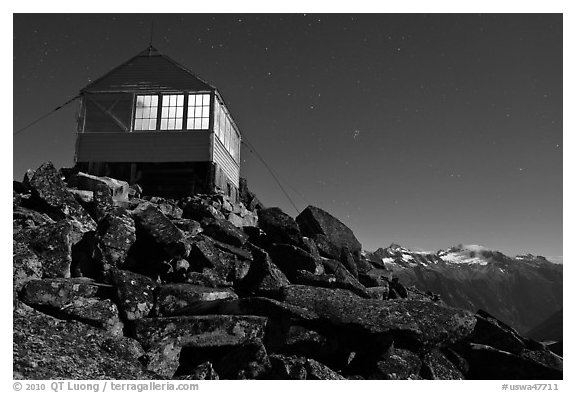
pixel 146 112
pixel 198 112
pixel 172 112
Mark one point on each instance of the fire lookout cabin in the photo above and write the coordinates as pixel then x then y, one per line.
pixel 152 122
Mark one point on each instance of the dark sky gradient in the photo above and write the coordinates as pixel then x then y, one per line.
pixel 427 131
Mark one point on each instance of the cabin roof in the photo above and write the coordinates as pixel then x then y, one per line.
pixel 148 71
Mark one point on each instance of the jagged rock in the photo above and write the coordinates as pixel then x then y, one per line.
pixel 53 244
pixel 102 314
pixel 491 331
pixel 379 293
pixel 204 371
pixel 163 356
pixel 264 307
pixel 116 235
pixel 190 227
pixel 363 266
pixel 57 292
pixel 228 262
pixel 119 189
pixel 196 210
pixel 82 196
pixel 26 265
pixel 310 246
pixel 247 361
pixel 300 368
pixel 207 278
pixel 290 259
pixel 160 228
pixel 324 347
pixel 400 364
pixel 397 290
pixel 415 324
pixel 436 365
pixel 169 209
pixel 487 362
pixel 326 248
pixel 50 195
pixel 279 226
pixel 375 278
pixel 224 231
pixel 344 279
pixel 135 293
pixel 257 236
pixel 48 348
pixel 28 218
pixel 236 220
pixel 348 261
pixel 124 347
pixel 314 220
pixel 187 299
pixel 201 330
pixel 263 275
pixel 102 202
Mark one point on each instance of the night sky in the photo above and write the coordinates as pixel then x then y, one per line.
pixel 423 130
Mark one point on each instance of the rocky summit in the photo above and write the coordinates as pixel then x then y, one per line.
pixel 109 284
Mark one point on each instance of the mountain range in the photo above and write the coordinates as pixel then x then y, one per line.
pixel 522 291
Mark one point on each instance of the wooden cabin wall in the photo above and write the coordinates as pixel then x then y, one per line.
pixel 143 146
pixel 223 158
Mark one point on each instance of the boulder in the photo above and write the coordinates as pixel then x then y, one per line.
pixel 300 368
pixel 228 262
pixel 204 371
pixel 187 299
pixel 378 293
pixel 290 259
pixel 28 218
pixel 163 357
pixel 487 362
pixel 279 226
pixel 264 307
pixel 158 227
pixel 102 202
pixel 100 313
pixel 49 195
pixel 48 348
pixel 326 248
pixel 190 227
pixel 400 364
pixel 491 331
pixel 196 210
pixel 224 231
pixel 207 278
pixel 413 324
pixel 201 331
pixel 116 235
pixel 248 361
pixel 26 265
pixel 348 261
pixel 435 365
pixel 313 221
pixel 57 292
pixel 124 347
pixel 119 189
pixel 397 290
pixel 53 244
pixel 344 279
pixel 134 293
pixel 263 276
